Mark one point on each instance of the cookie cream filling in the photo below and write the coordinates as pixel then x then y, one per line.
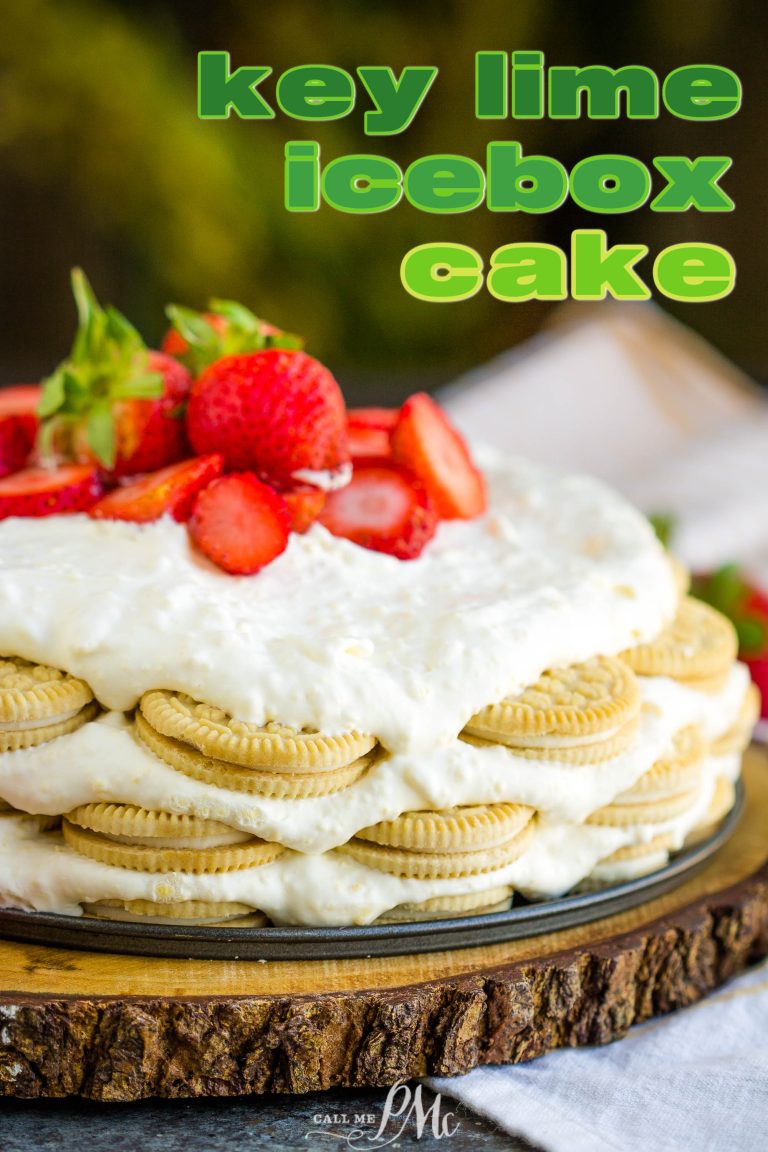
pixel 331 636
pixel 46 722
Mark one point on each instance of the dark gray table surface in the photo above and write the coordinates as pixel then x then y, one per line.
pixel 276 1123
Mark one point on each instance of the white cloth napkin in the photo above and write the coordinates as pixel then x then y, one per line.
pixel 696 1081
pixel 637 400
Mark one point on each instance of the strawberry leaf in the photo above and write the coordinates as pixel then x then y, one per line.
pixel 100 430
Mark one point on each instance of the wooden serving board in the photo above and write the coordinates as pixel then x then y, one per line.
pixel 120 1028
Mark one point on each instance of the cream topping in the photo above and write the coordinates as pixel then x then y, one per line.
pixel 335 637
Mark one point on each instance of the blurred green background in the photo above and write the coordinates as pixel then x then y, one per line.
pixel 104 163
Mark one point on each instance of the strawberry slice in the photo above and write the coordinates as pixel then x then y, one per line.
pixel 426 444
pixel 384 419
pixel 20 400
pixel 239 523
pixel 43 492
pixel 382 509
pixel 18 426
pixel 368 444
pixel 304 506
pixel 172 489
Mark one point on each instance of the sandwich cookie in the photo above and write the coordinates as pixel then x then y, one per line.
pixel 738 736
pixel 698 648
pixel 189 913
pixel 444 845
pixel 630 862
pixel 678 772
pixel 447 907
pixel 148 841
pixel 283 785
pixel 38 703
pixel 723 799
pixel 582 714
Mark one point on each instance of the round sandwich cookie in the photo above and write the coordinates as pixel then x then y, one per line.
pixel 447 907
pixel 675 773
pixel 723 799
pixel 459 829
pixel 738 736
pixel 38 703
pixel 700 646
pixel 465 858
pixel 189 913
pixel 584 713
pixel 220 773
pixel 147 841
pixel 272 746
pixel 630 862
pixel 630 815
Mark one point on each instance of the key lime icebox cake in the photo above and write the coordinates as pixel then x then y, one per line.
pixel 263 660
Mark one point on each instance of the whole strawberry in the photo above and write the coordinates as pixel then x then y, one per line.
pixel 113 401
pixel 277 413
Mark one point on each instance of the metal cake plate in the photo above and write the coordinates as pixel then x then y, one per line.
pixel 222 943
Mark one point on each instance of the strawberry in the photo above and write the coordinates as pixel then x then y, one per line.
pixel 46 492
pixel 366 444
pixel 113 401
pixel 427 445
pixel 239 523
pixel 304 506
pixel 226 329
pixel 20 400
pixel 277 413
pixel 384 419
pixel 383 509
pixel 18 426
pixel 172 489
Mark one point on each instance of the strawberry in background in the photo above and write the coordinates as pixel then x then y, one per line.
pixel 18 426
pixel 747 606
pixel 113 402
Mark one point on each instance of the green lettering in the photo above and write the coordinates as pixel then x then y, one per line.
pixel 523 184
pixel 598 271
pixel 692 184
pixel 491 84
pixel 362 184
pixel 702 92
pixel 695 273
pixel 316 92
pixel 302 176
pixel 527 272
pixel 444 184
pixel 603 87
pixel 219 90
pixel 397 101
pixel 528 85
pixel 442 273
pixel 610 183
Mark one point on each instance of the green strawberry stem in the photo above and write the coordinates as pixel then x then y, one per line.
pixel 108 363
pixel 225 329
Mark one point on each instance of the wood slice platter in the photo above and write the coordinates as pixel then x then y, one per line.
pixel 115 1027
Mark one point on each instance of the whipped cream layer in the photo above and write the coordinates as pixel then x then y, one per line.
pixel 103 761
pixel 334 637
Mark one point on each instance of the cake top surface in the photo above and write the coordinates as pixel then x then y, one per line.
pixel 332 636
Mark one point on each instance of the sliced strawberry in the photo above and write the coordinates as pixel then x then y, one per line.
pixel 20 400
pixel 18 426
pixel 43 492
pixel 172 489
pixel 304 506
pixel 384 419
pixel 382 509
pixel 239 523
pixel 427 445
pixel 367 444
